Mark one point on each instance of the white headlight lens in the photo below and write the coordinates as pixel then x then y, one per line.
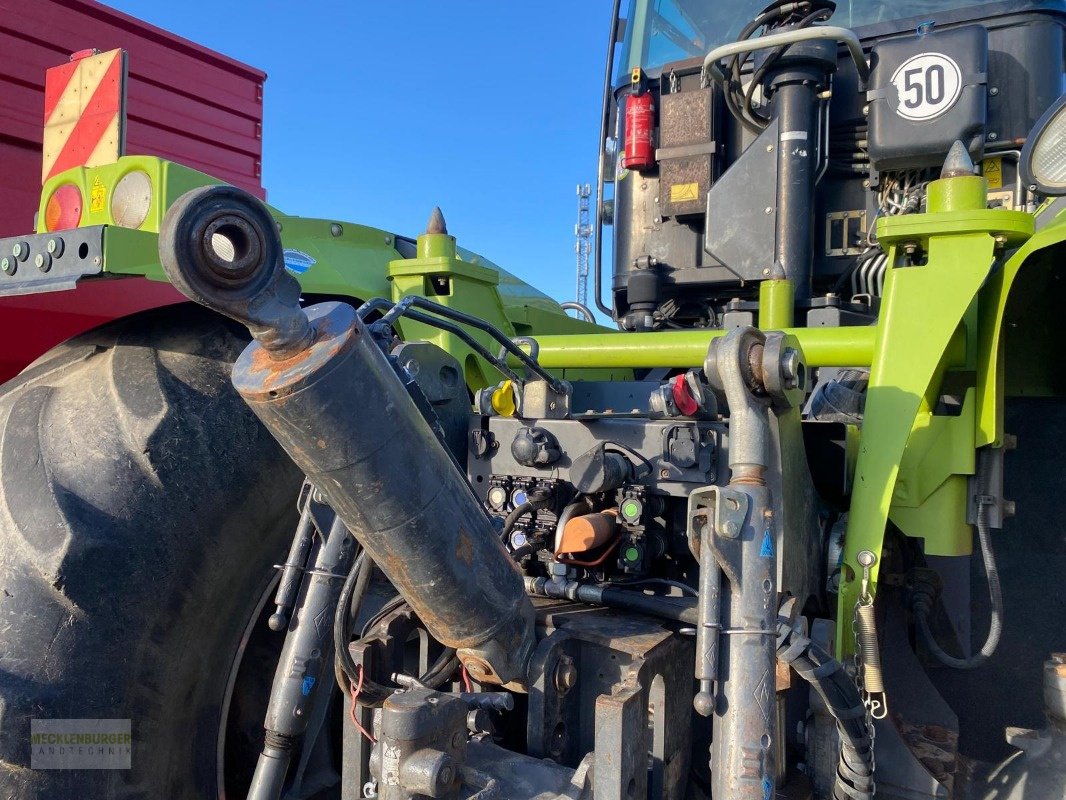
pixel 131 199
pixel 1048 158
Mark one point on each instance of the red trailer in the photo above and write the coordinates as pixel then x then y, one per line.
pixel 185 103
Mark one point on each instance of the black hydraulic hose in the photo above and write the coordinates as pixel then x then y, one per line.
pixel 352 592
pixel 351 597
pixel 676 609
pixel 512 519
pixel 922 606
pixel 679 609
pixel 605 123
pixel 827 677
pixel 535 502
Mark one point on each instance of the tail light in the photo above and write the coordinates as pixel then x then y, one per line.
pixel 131 199
pixel 63 209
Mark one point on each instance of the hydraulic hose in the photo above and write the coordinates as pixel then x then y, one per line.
pixel 347 672
pixel 922 606
pixel 675 609
pixel 827 677
pixel 352 592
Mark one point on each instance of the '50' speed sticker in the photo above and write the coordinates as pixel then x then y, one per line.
pixel 928 84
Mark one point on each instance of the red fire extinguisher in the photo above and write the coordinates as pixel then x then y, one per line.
pixel 639 153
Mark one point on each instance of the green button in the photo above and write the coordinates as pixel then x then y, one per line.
pixel 632 554
pixel 630 509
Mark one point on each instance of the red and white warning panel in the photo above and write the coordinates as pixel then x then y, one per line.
pixel 85 112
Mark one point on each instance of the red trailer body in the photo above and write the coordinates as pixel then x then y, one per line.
pixel 185 103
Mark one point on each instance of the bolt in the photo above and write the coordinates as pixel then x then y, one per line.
pixel 993 91
pixel 910 248
pixel 21 251
pixel 446 775
pixel 769 148
pixel 664 473
pixel 432 700
pixel 1000 240
pixel 790 367
pixel 388 239
pixel 565 675
pixel 866 111
pixel 1009 508
pixel 43 262
pixel 992 136
pixel 768 210
pixel 766 271
pixel 552 405
pixel 335 229
pixel 866 558
pixel 8 265
pixel 55 247
pixel 730 529
pixel 866 184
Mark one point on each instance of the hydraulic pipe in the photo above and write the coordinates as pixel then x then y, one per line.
pixel 343 415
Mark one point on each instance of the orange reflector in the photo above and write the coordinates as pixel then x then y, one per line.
pixel 63 209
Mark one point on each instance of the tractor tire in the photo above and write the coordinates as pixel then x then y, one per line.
pixel 142 507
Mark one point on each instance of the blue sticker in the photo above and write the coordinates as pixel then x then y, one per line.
pixel 308 685
pixel 767 550
pixel 298 261
pixel 767 788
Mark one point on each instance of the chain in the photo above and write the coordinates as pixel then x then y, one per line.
pixel 875 709
pixel 673 82
pixel 860 684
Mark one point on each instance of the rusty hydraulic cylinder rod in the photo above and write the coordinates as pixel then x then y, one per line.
pixel 329 395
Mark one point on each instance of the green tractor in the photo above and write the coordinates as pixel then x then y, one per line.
pixel 743 548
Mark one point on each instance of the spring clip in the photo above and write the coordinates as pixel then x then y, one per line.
pixel 871 677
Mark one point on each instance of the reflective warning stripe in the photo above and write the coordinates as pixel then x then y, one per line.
pixel 84 113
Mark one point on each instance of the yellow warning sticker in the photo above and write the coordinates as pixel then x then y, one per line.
pixel 97 196
pixel 993 172
pixel 680 192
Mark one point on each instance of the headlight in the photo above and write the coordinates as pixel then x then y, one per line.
pixel 131 199
pixel 63 209
pixel 1044 155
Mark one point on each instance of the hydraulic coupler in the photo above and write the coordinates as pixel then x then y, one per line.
pixel 327 392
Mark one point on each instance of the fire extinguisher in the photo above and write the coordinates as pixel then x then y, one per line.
pixel 639 151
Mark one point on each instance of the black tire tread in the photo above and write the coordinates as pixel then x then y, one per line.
pixel 141 506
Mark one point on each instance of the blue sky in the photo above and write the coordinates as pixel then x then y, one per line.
pixel 376 112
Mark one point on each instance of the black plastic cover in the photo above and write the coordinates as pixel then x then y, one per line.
pixel 926 92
